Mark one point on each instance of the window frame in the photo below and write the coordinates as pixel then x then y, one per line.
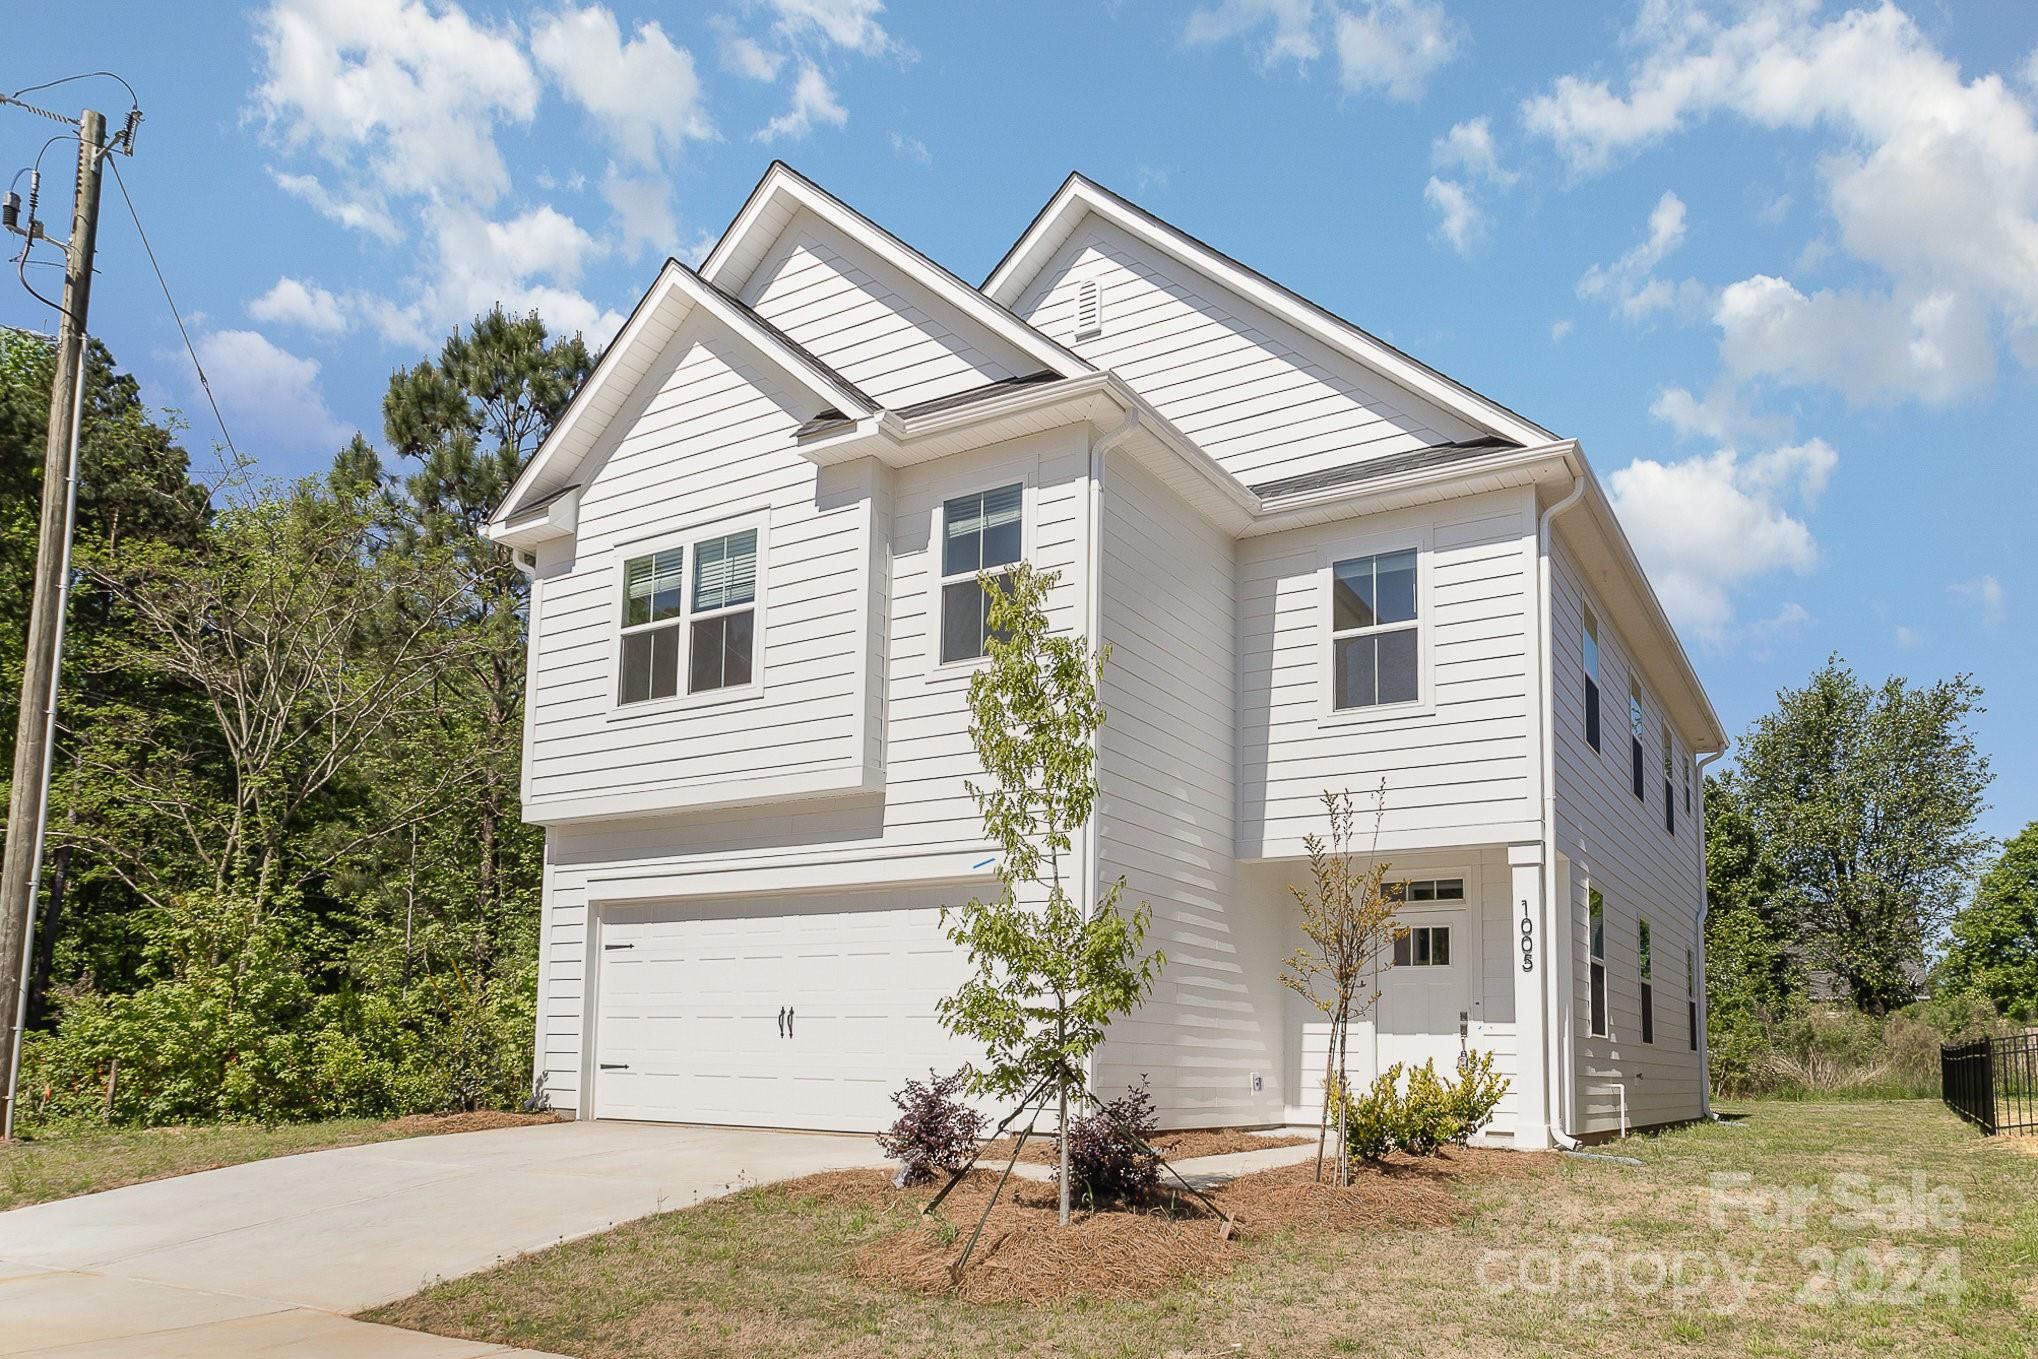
pixel 1588 666
pixel 1598 1012
pixel 1669 780
pixel 1645 977
pixel 1324 616
pixel 688 539
pixel 1637 723
pixel 937 542
pixel 1691 994
pixel 1430 930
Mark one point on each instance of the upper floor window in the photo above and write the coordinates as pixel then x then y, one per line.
pixel 1591 680
pixel 979 532
pixel 1648 979
pixel 1635 732
pixel 1691 997
pixel 1669 772
pixel 1596 913
pixel 1423 946
pixel 713 623
pixel 1374 631
pixel 1687 785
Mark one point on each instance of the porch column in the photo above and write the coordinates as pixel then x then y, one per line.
pixel 1529 959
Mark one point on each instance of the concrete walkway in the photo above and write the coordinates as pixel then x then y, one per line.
pixel 270 1258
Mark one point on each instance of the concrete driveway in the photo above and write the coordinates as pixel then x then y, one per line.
pixel 270 1258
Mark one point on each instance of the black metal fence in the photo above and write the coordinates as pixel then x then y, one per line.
pixel 1993 1082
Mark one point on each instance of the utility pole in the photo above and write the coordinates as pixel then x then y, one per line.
pixel 28 801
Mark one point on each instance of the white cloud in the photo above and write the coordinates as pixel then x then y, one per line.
pixel 1986 594
pixel 1459 219
pixel 531 262
pixel 1720 415
pixel 293 302
pixel 813 101
pixel 1629 285
pixel 1932 181
pixel 643 94
pixel 1906 637
pixel 270 397
pixel 911 148
pixel 1469 147
pixel 1393 46
pixel 1292 27
pixel 749 58
pixel 1705 526
pixel 1875 349
pixel 359 215
pixel 846 23
pixel 643 208
pixel 398 94
pixel 1560 327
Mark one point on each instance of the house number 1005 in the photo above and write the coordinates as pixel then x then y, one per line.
pixel 1528 939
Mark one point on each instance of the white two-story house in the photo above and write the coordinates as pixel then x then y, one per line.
pixel 753 542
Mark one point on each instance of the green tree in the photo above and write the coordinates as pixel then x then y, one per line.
pixel 1050 974
pixel 1995 940
pixel 1864 800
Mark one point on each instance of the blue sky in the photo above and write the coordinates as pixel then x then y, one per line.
pixel 1776 265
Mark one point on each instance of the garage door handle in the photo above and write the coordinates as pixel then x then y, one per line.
pixel 613 947
pixel 615 1066
pixel 781 1021
pixel 788 1021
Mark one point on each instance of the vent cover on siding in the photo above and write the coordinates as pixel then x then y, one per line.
pixel 1089 308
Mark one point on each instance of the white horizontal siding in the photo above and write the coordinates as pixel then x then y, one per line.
pixel 881 331
pixel 1456 768
pixel 1618 844
pixel 1259 396
pixel 1164 816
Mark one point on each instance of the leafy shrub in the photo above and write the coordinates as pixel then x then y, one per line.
pixel 1110 1155
pixel 1473 1097
pixel 935 1131
pixel 1413 1110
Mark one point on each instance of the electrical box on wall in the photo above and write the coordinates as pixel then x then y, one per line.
pixel 1259 1086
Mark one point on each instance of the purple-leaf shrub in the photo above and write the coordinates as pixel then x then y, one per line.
pixel 936 1131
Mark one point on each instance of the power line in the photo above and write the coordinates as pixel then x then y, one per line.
pixel 204 384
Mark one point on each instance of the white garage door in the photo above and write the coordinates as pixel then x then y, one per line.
pixel 800 1012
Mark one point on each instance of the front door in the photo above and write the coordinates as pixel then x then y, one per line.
pixel 1425 1004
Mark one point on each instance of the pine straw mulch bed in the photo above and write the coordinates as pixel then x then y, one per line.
pixel 1024 1256
pixel 479 1120
pixel 1176 1146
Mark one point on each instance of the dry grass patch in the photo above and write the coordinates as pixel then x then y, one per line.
pixel 478 1120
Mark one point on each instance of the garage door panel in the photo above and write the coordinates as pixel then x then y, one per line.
pixel 688 1011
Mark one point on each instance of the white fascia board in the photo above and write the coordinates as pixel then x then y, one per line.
pixel 846 780
pixel 1543 462
pixel 782 182
pixel 1080 195
pixel 524 530
pixel 675 292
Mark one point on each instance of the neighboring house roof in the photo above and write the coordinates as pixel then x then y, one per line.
pixel 1080 196
pixel 672 297
pixel 784 191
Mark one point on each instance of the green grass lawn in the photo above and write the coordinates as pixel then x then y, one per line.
pixel 1933 1251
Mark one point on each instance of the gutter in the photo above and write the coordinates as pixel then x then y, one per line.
pixel 1557 1038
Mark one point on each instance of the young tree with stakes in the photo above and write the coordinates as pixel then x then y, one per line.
pixel 1050 973
pixel 1348 920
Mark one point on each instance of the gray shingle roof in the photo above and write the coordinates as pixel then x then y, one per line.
pixel 1375 469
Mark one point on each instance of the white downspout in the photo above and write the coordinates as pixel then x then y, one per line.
pixel 1704 909
pixel 1557 1009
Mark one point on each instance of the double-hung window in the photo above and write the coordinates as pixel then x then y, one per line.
pixel 1669 774
pixel 1691 997
pixel 654 597
pixel 724 623
pixel 1635 733
pixel 1375 635
pixel 1648 979
pixel 1597 914
pixel 704 628
pixel 979 532
pixel 1591 680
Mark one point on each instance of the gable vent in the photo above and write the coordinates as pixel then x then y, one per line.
pixel 1089 308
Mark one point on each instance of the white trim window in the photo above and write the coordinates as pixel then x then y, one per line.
pixel 654 600
pixel 1635 736
pixel 1425 889
pixel 1691 997
pixel 1646 967
pixel 705 629
pixel 1596 914
pixel 722 631
pixel 982 531
pixel 1376 641
pixel 1669 785
pixel 1591 667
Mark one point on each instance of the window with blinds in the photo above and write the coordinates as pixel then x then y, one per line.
pixel 979 532
pixel 724 612
pixel 653 599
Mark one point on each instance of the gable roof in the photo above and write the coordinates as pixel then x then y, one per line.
pixel 673 296
pixel 1080 196
pixel 784 192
